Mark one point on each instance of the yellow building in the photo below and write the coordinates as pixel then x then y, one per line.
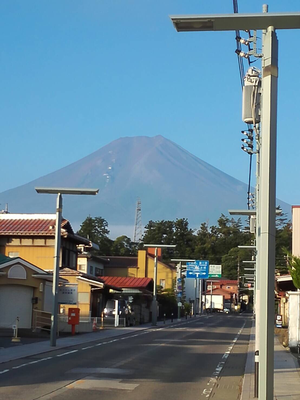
pixel 121 266
pixel 141 267
pixel 25 290
pixel 166 274
pixel 32 237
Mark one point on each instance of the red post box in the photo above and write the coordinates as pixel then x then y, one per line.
pixel 73 318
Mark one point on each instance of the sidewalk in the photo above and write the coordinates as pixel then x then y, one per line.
pixel 286 372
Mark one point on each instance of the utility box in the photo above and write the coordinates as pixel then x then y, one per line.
pixel 73 316
pixel 251 96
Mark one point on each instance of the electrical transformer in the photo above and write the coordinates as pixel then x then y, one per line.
pixel 251 96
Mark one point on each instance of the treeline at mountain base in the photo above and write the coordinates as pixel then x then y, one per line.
pixel 217 244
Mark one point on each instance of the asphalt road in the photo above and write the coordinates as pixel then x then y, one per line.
pixel 200 358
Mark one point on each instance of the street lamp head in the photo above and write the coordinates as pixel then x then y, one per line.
pixel 234 22
pixel 74 191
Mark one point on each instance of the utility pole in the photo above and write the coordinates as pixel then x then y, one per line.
pixel 267 193
pixel 267 207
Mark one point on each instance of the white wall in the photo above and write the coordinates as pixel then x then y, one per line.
pixel 294 316
pixel 296 231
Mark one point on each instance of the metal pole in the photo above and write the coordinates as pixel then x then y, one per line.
pixel 200 297
pixel 178 297
pixel 211 292
pixel 56 270
pixel 154 305
pixel 195 301
pixel 205 289
pixel 267 204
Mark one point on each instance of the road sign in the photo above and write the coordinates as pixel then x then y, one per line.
pixel 179 304
pixel 197 269
pixel 215 271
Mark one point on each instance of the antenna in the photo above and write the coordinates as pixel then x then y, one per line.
pixel 138 228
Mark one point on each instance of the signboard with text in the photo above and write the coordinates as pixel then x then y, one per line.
pixel 215 271
pixel 197 269
pixel 68 294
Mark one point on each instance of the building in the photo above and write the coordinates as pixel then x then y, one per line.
pixel 166 274
pixel 25 291
pixel 32 237
pixel 121 266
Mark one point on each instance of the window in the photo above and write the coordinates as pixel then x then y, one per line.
pixel 91 270
pixel 98 271
pixel 81 265
pixel 17 272
pixel 162 283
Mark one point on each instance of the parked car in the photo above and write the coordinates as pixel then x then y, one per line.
pixel 109 310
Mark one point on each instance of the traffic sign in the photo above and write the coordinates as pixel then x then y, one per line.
pixel 197 269
pixel 215 271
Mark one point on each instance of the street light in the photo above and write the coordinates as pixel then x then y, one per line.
pixel 59 192
pixel 267 198
pixel 154 305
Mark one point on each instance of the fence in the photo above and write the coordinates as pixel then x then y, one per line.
pixel 41 320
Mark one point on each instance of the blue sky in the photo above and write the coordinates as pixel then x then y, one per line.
pixel 76 75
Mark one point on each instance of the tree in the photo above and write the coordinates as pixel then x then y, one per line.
pixel 283 245
pixel 160 232
pixel 294 268
pixel 232 263
pixel 203 244
pixel 96 230
pixel 122 246
pixel 184 239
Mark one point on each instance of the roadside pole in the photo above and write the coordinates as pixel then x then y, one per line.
pixel 200 297
pixel 267 211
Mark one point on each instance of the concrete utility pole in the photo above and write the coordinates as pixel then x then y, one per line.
pixel 267 205
pixel 267 195
pixel 154 298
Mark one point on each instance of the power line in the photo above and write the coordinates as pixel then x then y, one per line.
pixel 242 74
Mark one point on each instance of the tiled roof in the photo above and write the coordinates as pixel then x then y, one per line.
pixel 127 282
pixel 35 226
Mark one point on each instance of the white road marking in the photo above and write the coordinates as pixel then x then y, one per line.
pixel 20 366
pixel 92 383
pixel 34 362
pixel 100 371
pixel 144 332
pixel 65 354
pixel 211 383
pixel 4 371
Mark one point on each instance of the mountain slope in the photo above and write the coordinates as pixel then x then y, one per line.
pixel 171 183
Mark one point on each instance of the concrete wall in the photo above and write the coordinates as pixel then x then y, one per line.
pixel 294 318
pixel 296 230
